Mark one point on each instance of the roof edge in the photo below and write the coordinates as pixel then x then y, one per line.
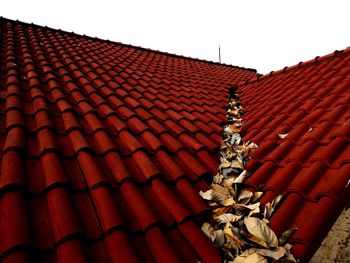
pixel 317 59
pixel 132 46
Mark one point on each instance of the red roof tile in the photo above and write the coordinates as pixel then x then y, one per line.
pixel 309 102
pixel 105 147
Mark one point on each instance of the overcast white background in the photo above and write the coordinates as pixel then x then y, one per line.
pixel 265 35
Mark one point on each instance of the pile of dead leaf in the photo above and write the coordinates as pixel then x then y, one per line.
pixel 238 224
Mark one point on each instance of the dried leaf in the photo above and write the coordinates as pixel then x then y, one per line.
pixel 233 241
pixel 252 206
pixel 219 238
pixel 277 201
pixel 276 253
pixel 245 195
pixel 216 236
pixel 251 146
pixel 239 149
pixel 257 240
pixel 218 178
pixel 221 210
pixel 230 155
pixel 241 177
pixel 266 221
pixel 237 163
pixel 225 164
pixel 268 210
pixel 256 196
pixel 213 204
pixel 208 230
pixel 249 257
pixel 228 202
pixel 235 139
pixel 225 218
pixel 207 195
pixel 288 247
pixel 232 190
pixel 218 189
pixel 286 235
pixel 223 146
pixel 227 171
pixel 232 129
pixel 229 182
pixel 288 258
pixel 220 193
pixel 283 135
pixel 258 228
pixel 241 207
pixel 254 211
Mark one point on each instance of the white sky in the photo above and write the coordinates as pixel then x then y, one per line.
pixel 265 35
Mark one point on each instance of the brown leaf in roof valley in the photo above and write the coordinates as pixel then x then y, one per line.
pixel 239 225
pixel 249 257
pixel 259 228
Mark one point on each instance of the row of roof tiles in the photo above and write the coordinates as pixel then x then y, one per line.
pixel 105 148
pixel 300 118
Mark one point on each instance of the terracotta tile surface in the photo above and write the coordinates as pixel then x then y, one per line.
pixel 105 147
pixel 311 165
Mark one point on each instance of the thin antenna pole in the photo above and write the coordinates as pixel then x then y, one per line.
pixel 219 54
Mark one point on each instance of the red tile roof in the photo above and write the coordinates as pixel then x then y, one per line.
pixel 311 165
pixel 105 147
